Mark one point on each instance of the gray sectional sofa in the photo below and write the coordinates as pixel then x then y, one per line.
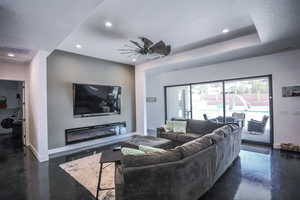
pixel 185 172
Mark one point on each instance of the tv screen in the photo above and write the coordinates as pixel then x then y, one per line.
pixel 96 100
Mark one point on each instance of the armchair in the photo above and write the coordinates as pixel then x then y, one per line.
pixel 257 126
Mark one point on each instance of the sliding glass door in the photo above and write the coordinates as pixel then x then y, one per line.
pixel 178 102
pixel 245 101
pixel 207 101
pixel 248 103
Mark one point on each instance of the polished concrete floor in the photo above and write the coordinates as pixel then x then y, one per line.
pixel 258 174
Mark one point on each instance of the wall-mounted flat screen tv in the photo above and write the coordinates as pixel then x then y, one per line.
pixel 95 100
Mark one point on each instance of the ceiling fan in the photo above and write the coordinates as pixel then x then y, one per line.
pixel 146 48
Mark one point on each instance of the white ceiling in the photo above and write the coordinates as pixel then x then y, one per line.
pixel 26 26
pixel 18 55
pixel 40 24
pixel 176 22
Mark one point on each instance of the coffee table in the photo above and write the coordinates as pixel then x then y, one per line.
pixel 151 141
pixel 108 156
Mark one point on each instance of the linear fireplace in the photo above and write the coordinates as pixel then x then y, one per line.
pixel 77 135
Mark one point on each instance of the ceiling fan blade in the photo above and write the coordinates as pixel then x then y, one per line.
pixel 130 56
pixel 147 43
pixel 158 48
pixel 127 50
pixel 158 45
pixel 167 50
pixel 126 53
pixel 136 44
pixel 162 51
pixel 126 45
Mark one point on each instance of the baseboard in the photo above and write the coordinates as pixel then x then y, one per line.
pixel 90 144
pixel 37 155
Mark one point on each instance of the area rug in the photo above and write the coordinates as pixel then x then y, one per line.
pixel 86 171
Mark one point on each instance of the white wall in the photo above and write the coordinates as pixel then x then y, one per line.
pixel 64 69
pixel 38 106
pixel 17 72
pixel 13 71
pixel 283 66
pixel 140 99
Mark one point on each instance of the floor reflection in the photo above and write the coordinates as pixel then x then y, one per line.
pixel 259 173
pixel 256 176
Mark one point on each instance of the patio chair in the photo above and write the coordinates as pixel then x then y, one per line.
pixel 215 120
pixel 255 126
pixel 239 118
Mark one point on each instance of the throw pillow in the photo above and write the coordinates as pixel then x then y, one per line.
pixel 148 149
pixel 130 151
pixel 169 126
pixel 179 126
pixel 165 127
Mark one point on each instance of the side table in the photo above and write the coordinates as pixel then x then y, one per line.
pixel 108 156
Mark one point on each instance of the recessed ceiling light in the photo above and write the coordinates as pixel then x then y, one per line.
pixel 226 30
pixel 108 24
pixel 78 46
pixel 134 60
pixel 11 55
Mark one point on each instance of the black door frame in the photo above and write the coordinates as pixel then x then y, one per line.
pixel 269 76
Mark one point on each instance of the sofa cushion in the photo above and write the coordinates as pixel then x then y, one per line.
pixel 227 130
pixel 131 151
pixel 148 149
pixel 206 140
pixel 151 158
pixel 201 126
pixel 224 131
pixel 169 135
pixel 220 132
pixel 193 147
pixel 194 135
pixel 233 126
pixel 215 137
pixel 183 138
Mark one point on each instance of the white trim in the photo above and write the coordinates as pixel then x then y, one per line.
pixel 91 144
pixel 37 155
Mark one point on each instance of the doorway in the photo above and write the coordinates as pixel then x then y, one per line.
pixel 12 109
pixel 246 101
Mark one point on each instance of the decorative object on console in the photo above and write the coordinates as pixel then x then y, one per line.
pixel 291 91
pixel 290 147
pixel 3 102
pixel 146 48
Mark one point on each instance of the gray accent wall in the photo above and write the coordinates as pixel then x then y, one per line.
pixel 64 69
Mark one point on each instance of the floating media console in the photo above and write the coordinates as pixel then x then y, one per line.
pixel 77 135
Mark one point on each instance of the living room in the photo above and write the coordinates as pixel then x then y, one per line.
pixel 150 100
